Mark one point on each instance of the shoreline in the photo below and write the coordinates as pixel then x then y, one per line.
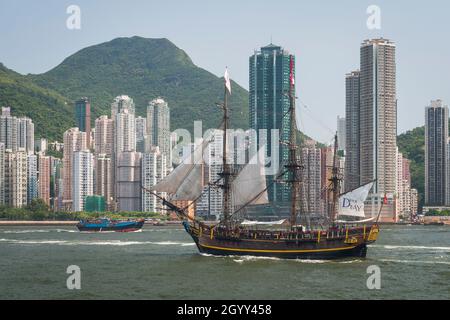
pixel 25 223
pixel 37 223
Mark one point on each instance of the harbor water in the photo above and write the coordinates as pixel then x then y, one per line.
pixel 163 263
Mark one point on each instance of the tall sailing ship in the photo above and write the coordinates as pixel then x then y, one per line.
pixel 331 238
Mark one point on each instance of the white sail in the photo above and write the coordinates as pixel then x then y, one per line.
pixel 185 181
pixel 249 186
pixel 172 182
pixel 192 186
pixel 352 203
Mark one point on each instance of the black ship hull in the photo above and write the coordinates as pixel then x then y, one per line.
pixel 326 246
pixel 359 251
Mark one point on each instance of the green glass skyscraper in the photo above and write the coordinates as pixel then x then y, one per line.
pixel 83 117
pixel 269 111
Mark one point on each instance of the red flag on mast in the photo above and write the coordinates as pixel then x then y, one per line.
pixel 291 74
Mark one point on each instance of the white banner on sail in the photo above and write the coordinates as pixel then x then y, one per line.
pixel 352 203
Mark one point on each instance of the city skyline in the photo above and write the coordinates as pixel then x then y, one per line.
pixel 118 136
pixel 340 29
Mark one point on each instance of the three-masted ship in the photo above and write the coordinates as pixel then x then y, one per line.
pixel 232 235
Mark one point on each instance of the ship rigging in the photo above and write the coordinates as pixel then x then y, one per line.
pixel 240 189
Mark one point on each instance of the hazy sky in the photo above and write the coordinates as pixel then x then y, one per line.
pixel 324 35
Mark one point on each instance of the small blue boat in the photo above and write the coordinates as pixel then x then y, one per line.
pixel 106 224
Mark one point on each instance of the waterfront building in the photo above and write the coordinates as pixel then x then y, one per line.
pixel 268 110
pixel 341 162
pixel 125 135
pixel 8 129
pixel 210 205
pixel 121 103
pixel 41 145
pixel 58 195
pixel 406 197
pixel 6 111
pixel 44 166
pixel 436 155
pixel 103 179
pixel 352 131
pixel 104 159
pixel 16 133
pixel 83 117
pixel 32 178
pixel 311 176
pixel 82 179
pixel 414 203
pixel 158 129
pixel 128 181
pixel 123 113
pixel 378 125
pixel 74 141
pixel 2 173
pixel 141 132
pixel 104 136
pixel 25 134
pixel 154 169
pixel 189 208
pixel 16 187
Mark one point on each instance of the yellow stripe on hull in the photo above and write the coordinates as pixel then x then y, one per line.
pixel 278 251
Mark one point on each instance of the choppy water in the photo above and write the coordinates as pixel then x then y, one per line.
pixel 163 263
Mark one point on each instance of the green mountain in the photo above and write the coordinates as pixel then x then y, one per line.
pixel 50 111
pixel 145 69
pixel 412 145
pixel 141 68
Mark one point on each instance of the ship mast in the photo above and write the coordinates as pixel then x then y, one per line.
pixel 335 182
pixel 226 170
pixel 293 165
